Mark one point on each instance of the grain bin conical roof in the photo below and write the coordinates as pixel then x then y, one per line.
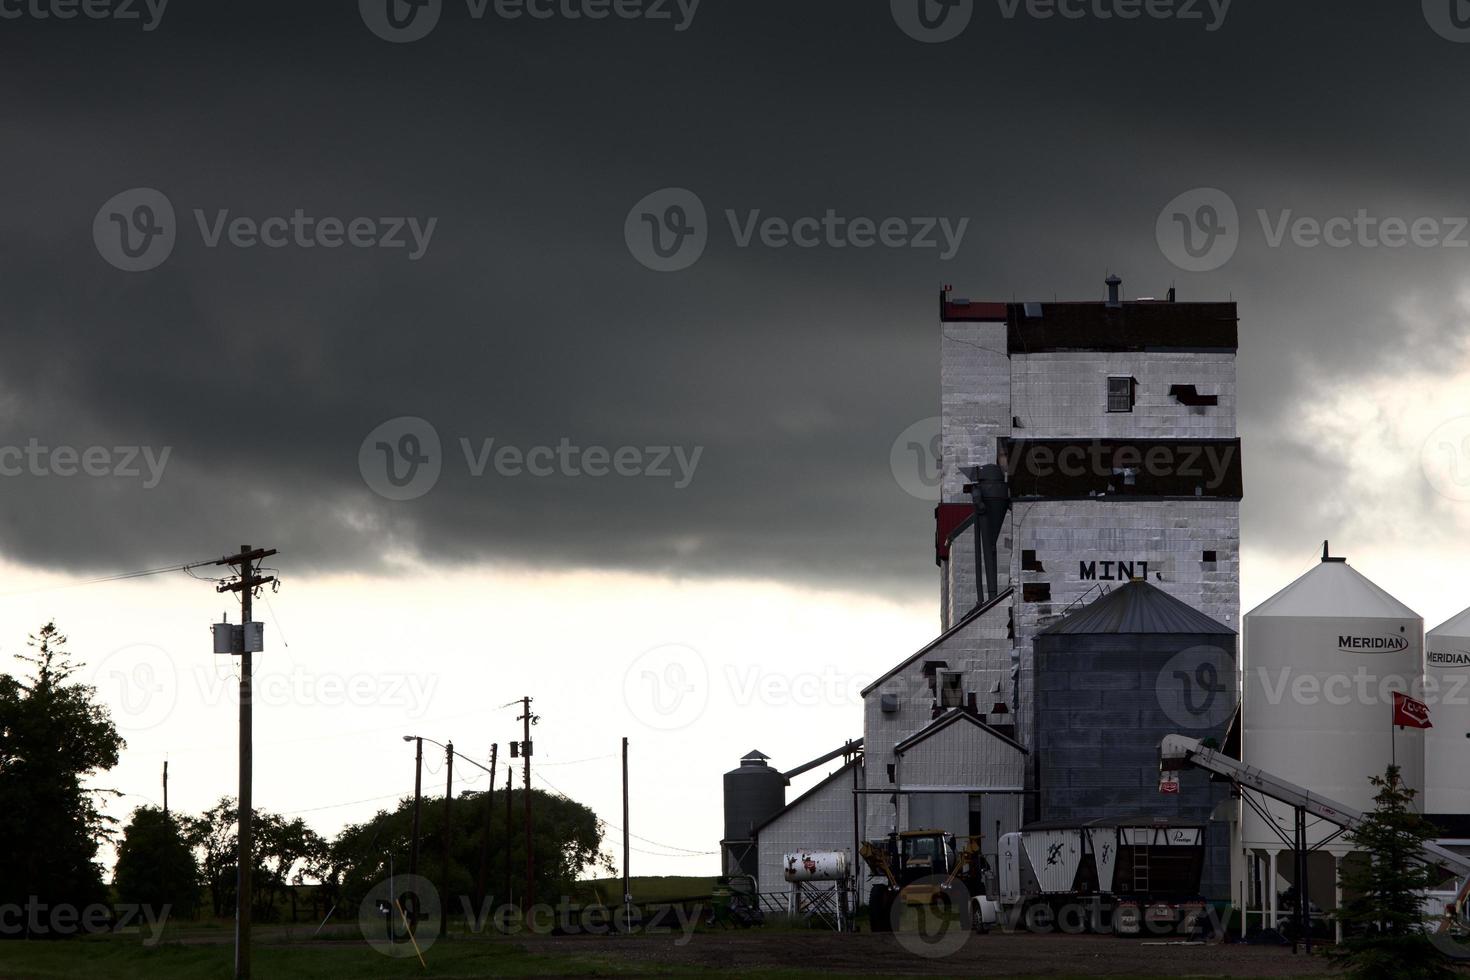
pixel 1457 626
pixel 1333 588
pixel 1139 607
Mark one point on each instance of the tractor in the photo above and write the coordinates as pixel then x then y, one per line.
pixel 922 869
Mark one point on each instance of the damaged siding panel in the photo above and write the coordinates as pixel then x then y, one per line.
pixel 1065 395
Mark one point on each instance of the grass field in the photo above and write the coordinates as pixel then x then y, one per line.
pixel 775 955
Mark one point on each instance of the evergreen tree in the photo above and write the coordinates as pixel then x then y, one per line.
pixel 53 734
pixel 1383 913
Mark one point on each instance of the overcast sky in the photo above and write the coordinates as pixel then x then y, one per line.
pixel 758 391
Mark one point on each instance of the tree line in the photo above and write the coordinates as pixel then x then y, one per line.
pixel 54 735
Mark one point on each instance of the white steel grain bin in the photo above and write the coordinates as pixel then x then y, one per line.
pixel 1447 744
pixel 1322 659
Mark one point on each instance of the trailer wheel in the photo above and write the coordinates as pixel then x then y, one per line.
pixel 880 907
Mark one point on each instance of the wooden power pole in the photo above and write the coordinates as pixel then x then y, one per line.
pixel 448 839
pixel 482 883
pixel 413 846
pixel 246 583
pixel 508 777
pixel 528 719
pixel 627 888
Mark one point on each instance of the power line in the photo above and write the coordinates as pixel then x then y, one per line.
pixel 119 577
pixel 689 851
pixel 573 762
pixel 334 806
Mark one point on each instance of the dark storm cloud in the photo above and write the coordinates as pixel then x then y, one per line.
pixel 527 320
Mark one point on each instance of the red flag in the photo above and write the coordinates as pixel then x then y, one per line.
pixel 1410 713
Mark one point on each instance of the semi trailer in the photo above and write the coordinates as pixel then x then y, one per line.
pixel 1129 876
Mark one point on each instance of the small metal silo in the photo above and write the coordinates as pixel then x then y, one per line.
pixel 754 792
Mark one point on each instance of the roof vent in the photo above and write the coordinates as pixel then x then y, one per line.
pixel 1113 283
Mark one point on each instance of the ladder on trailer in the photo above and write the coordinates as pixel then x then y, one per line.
pixel 1140 870
pixel 1181 752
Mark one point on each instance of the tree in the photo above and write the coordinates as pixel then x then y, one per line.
pixel 567 840
pixel 155 865
pixel 286 852
pixel 212 835
pixel 1383 915
pixel 53 734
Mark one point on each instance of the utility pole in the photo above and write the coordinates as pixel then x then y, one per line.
pixel 246 583
pixel 165 789
pixel 485 837
pixel 448 836
pixel 627 890
pixel 413 847
pixel 508 776
pixel 528 719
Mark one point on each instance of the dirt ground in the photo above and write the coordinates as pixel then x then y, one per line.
pixel 993 955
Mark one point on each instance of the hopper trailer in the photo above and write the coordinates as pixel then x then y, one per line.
pixel 1129 876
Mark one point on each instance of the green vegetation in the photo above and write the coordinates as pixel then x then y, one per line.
pixel 1384 915
pixel 567 839
pixel 52 735
pixel 155 865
